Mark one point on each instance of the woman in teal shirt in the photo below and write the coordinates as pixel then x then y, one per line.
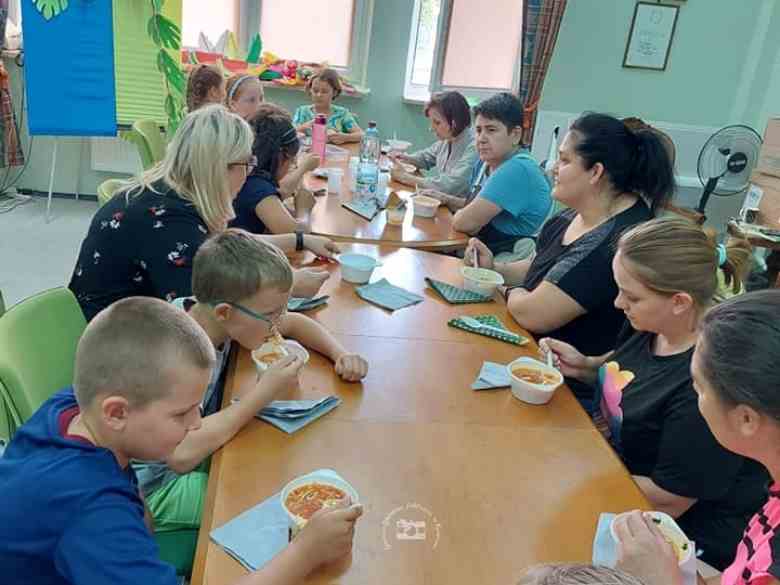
pixel 324 87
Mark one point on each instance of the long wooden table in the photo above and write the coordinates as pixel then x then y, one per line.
pixel 498 484
pixel 329 218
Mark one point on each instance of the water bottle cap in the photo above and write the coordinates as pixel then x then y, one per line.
pixel 320 119
pixel 372 124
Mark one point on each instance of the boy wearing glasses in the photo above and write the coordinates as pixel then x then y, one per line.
pixel 241 286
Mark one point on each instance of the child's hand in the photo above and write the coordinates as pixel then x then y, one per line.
pixel 644 552
pixel 308 282
pixel 351 367
pixel 309 162
pixel 328 535
pixel 283 373
pixel 477 253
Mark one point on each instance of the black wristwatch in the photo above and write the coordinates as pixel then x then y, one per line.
pixel 298 241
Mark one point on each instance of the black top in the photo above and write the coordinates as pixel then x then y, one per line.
pixel 583 270
pixel 141 247
pixel 255 189
pixel 655 424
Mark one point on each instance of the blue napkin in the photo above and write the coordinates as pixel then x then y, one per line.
pixel 605 550
pixel 302 304
pixel 365 208
pixel 292 415
pixel 492 375
pixel 257 535
pixel 387 295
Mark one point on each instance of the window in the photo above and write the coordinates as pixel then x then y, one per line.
pixel 292 29
pixel 210 18
pixel 450 41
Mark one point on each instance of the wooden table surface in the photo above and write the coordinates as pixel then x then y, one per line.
pixel 500 484
pixel 329 218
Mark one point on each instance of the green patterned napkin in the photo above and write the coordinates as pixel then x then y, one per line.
pixel 455 295
pixel 491 320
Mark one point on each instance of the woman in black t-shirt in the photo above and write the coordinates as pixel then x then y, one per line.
pixel 143 240
pixel 567 289
pixel 646 406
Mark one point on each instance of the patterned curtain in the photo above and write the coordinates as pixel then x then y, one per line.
pixel 11 154
pixel 541 22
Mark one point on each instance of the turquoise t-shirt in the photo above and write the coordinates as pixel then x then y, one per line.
pixel 518 186
pixel 340 119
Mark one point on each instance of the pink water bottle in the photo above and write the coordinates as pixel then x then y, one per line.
pixel 319 136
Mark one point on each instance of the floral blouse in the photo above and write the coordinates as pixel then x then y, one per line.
pixel 141 245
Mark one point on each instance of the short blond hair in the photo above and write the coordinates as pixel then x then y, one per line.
pixel 579 574
pixel 234 265
pixel 130 347
pixel 196 163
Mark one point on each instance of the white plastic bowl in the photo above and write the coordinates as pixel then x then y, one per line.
pixel 670 529
pixel 529 392
pixel 398 145
pixel 481 280
pixel 396 215
pixel 357 268
pixel 296 522
pixel 425 206
pixel 291 346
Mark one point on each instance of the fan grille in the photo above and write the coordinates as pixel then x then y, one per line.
pixel 731 153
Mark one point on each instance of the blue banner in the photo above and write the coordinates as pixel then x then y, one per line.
pixel 69 67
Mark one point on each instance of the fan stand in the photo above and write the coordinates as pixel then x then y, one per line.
pixel 735 164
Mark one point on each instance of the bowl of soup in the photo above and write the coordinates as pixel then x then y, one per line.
pixel 275 349
pixel 481 280
pixel 306 495
pixel 671 532
pixel 532 381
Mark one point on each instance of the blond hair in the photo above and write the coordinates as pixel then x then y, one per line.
pixel 233 265
pixel 575 574
pixel 237 84
pixel 196 163
pixel 130 349
pixel 672 255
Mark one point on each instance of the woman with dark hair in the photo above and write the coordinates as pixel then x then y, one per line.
pixel 610 178
pixel 259 207
pixel 735 375
pixel 451 158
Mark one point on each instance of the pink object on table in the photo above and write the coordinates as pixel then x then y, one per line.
pixel 319 136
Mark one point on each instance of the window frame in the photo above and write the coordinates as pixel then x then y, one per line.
pixel 416 92
pixel 359 44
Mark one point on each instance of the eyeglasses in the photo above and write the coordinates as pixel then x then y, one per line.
pixel 250 165
pixel 271 319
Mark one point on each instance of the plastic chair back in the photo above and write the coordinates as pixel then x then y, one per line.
pixel 38 339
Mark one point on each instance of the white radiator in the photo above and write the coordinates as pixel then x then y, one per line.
pixel 688 141
pixel 114 155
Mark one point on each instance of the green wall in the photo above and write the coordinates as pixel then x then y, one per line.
pixel 718 70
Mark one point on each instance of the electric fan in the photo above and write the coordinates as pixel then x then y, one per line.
pixel 726 162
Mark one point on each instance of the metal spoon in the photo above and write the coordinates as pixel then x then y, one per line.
pixel 471 322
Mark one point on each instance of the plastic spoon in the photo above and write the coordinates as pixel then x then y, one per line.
pixel 471 322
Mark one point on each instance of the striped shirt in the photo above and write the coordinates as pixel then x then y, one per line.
pixel 758 554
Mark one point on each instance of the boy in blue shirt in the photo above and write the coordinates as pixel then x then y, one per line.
pixel 510 196
pixel 71 512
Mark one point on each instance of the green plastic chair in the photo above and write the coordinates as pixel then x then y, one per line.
pixel 106 190
pixel 154 138
pixel 140 143
pixel 38 339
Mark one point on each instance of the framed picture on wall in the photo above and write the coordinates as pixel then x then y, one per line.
pixel 650 39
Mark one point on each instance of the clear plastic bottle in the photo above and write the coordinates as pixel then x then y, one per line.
pixel 319 136
pixel 368 166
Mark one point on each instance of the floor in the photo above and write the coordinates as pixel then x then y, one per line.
pixel 35 256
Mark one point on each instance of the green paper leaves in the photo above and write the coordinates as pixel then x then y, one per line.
pixel 255 50
pixel 164 32
pixel 50 8
pixel 167 36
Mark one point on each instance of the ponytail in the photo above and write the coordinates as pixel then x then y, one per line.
pixel 671 255
pixel 634 162
pixel 202 79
